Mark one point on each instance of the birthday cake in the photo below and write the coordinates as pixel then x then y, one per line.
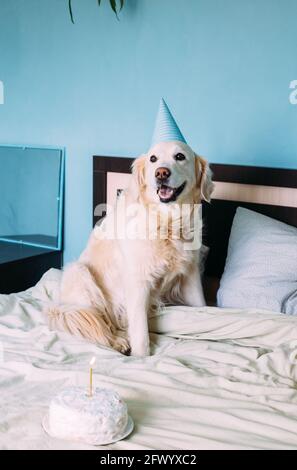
pixel 97 420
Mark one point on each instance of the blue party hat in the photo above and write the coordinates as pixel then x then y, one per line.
pixel 166 128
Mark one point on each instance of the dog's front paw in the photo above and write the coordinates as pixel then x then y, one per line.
pixel 140 349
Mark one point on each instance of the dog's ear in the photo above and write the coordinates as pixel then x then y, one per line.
pixel 138 176
pixel 203 178
pixel 138 170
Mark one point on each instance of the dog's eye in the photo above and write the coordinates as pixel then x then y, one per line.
pixel 153 158
pixel 179 157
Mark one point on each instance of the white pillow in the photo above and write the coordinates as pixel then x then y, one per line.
pixel 261 265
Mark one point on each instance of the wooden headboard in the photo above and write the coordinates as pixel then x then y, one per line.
pixel 269 191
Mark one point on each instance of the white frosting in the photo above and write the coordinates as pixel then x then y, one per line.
pixel 98 419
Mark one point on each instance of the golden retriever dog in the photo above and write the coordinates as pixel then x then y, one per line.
pixel 107 295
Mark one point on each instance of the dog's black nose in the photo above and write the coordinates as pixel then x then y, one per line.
pixel 162 173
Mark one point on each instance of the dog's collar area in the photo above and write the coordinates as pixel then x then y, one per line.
pixel 168 194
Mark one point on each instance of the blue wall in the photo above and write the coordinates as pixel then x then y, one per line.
pixel 224 67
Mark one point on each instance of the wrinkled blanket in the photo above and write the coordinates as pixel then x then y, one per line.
pixel 216 379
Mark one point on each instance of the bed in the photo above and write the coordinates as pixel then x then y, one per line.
pixel 216 379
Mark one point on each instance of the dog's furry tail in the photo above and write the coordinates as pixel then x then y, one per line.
pixel 87 323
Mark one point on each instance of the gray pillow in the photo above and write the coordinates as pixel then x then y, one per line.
pixel 261 265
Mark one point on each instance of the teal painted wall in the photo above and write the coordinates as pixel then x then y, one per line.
pixel 224 66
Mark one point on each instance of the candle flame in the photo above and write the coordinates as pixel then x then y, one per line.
pixel 92 361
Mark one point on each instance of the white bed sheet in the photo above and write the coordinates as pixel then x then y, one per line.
pixel 217 379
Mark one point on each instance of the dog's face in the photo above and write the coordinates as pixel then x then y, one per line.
pixel 172 172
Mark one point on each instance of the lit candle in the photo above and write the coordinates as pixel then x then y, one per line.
pixel 92 362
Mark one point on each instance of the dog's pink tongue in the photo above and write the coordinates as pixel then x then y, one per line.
pixel 165 192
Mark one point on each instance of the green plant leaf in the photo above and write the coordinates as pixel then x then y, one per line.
pixel 113 4
pixel 70 11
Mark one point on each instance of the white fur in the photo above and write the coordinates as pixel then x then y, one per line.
pixel 116 282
